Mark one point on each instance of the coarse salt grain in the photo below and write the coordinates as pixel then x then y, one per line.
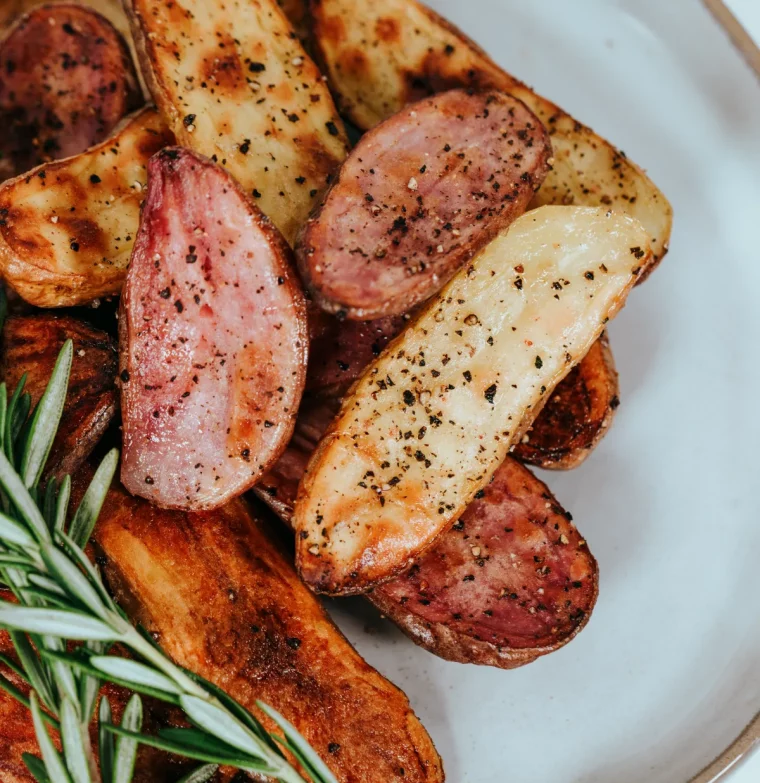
pixel 412 184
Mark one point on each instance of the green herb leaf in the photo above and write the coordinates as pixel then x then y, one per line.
pixel 36 767
pixel 105 741
pixel 35 673
pixel 13 534
pixel 14 487
pixel 55 622
pixel 300 748
pixel 46 418
pixel 134 672
pixel 74 582
pixel 200 775
pixel 62 503
pixel 73 741
pixel 126 747
pixel 54 765
pixel 87 514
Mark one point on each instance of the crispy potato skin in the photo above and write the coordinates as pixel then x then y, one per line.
pixel 213 339
pixel 67 228
pixel 68 79
pixel 430 421
pixel 577 415
pixel 381 56
pixel 510 582
pixel 418 196
pixel 31 344
pixel 223 599
pixel 259 106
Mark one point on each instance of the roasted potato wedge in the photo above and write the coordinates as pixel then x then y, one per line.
pixel 576 416
pixel 68 79
pixel 225 601
pixel 418 196
pixel 235 84
pixel 213 339
pixel 510 582
pixel 30 345
pixel 380 56
pixel 67 228
pixel 433 417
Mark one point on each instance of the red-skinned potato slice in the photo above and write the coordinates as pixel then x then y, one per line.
pixel 30 345
pixel 417 197
pixel 577 416
pixel 380 56
pixel 221 595
pixel 67 80
pixel 511 581
pixel 213 337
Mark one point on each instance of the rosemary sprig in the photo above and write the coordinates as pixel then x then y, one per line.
pixel 60 597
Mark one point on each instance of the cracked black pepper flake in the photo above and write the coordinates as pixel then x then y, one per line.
pixel 166 293
pixel 589 275
pixel 95 179
pixel 293 642
pixel 332 128
pixel 333 747
pixel 256 67
pixel 490 393
pixel 124 376
pixel 467 375
pixel 188 120
pixel 539 362
pixel 149 480
pixel 74 246
pixel 256 193
pixel 191 258
pixel 409 398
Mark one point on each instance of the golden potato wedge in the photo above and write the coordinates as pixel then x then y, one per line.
pixel 67 228
pixel 432 418
pixel 380 56
pixel 578 414
pixel 221 594
pixel 234 83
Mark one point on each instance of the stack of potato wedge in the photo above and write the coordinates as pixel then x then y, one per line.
pixel 372 342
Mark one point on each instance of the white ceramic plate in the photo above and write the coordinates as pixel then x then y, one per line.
pixel 665 676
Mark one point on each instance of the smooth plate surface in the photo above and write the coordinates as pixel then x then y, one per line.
pixel 665 676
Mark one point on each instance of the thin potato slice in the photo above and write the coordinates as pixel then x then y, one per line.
pixel 417 197
pixel 380 56
pixel 67 228
pixel 576 416
pixel 213 339
pixel 430 421
pixel 67 81
pixel 235 84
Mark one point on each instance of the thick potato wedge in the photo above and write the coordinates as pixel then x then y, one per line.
pixel 433 417
pixel 67 228
pixel 30 345
pixel 224 601
pixel 213 339
pixel 380 56
pixel 235 84
pixel 576 416
pixel 510 582
pixel 417 197
pixel 68 79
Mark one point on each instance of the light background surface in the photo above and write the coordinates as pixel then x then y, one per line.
pixel 666 674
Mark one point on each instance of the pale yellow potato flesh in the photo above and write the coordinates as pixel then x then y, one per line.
pixel 432 418
pixel 67 228
pixel 379 56
pixel 234 83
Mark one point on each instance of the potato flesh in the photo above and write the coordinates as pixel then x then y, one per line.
pixel 430 421
pixel 235 84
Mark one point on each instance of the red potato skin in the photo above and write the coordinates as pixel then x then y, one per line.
pixel 419 195
pixel 511 581
pixel 213 339
pixel 30 345
pixel 67 80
